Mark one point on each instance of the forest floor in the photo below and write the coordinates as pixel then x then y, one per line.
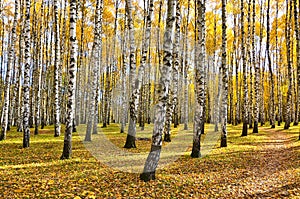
pixel 263 165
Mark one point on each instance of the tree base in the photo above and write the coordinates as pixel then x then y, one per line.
pixel 57 130
pixel 146 177
pixel 287 125
pixel 67 151
pixel 167 138
pixel 2 136
pixel 42 125
pixel 196 149
pixel 185 127
pixel 279 123
pixel 25 145
pixel 245 129
pixel 273 126
pixel 223 142
pixel 202 130
pixel 216 128
pixel 63 157
pixel 209 120
pixel 250 126
pixel 36 131
pixel 196 154
pixel 255 128
pixel 26 138
pixel 130 142
pixel 88 137
pixel 95 132
pixel 296 124
pixel 74 130
pixel 151 164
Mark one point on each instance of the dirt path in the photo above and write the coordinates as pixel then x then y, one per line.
pixel 276 174
pixel 268 167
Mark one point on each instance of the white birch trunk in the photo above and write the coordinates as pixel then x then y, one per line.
pixel 67 149
pixel 224 102
pixel 199 79
pixel 173 93
pixel 96 62
pixel 8 75
pixel 162 92
pixel 26 85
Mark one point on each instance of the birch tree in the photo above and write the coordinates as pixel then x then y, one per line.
pixel 199 79
pixel 97 46
pixel 245 85
pixel 130 140
pixel 256 76
pixel 123 74
pixel 136 84
pixel 224 79
pixel 186 68
pixel 279 95
pixel 289 67
pixel 57 68
pixel 173 92
pixel 26 84
pixel 10 63
pixel 272 101
pixel 162 92
pixel 39 71
pixel 250 67
pixel 262 90
pixel 67 149
pixel 296 17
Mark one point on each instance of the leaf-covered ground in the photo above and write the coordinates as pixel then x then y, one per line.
pixel 264 165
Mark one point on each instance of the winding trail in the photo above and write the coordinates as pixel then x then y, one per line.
pixel 276 170
pixel 263 165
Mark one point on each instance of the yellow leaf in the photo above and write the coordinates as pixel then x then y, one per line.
pixel 19 190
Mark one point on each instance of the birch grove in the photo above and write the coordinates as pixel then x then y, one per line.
pixel 155 69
